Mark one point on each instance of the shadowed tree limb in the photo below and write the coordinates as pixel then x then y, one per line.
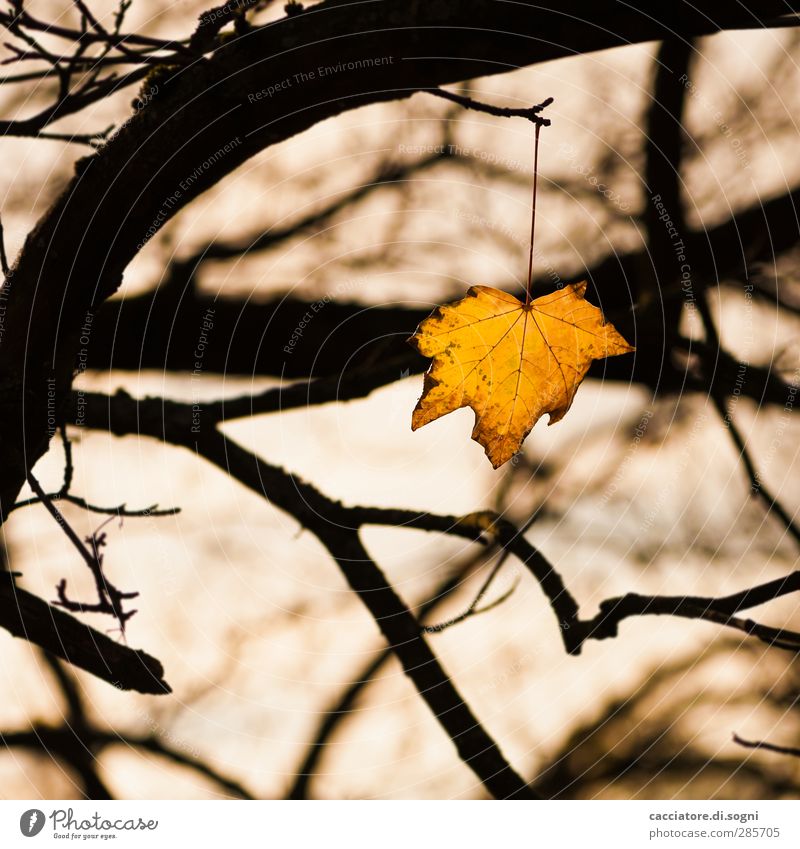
pixel 332 524
pixel 82 758
pixel 29 617
pixel 63 744
pixel 719 399
pixel 344 704
pixel 337 526
pixel 210 113
pixel 769 747
pixel 172 421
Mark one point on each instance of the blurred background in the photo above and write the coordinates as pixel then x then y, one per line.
pixel 280 681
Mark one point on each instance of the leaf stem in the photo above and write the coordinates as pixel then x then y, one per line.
pixel 528 294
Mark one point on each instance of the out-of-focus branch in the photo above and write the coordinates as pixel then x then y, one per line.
pixel 388 174
pixel 78 742
pixel 159 330
pixel 81 756
pixel 93 49
pixel 768 747
pixel 332 524
pixel 343 706
pixel 757 487
pixel 120 414
pixel 218 112
pixel 65 745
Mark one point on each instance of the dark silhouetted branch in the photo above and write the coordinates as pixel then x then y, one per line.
pixel 29 617
pixel 530 113
pixel 63 744
pixel 120 414
pixel 109 599
pixel 768 747
pixel 337 528
pixel 210 112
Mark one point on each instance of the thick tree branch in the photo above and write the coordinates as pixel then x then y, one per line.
pixel 337 525
pixel 343 706
pixel 337 528
pixel 29 617
pixel 210 117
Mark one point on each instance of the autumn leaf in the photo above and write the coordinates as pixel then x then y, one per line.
pixel 509 361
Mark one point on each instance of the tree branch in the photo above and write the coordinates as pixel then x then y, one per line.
pixel 214 114
pixel 29 617
pixel 337 527
pixel 769 747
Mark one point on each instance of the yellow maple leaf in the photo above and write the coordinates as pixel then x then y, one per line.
pixel 510 362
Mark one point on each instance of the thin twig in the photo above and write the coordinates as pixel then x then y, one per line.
pixel 4 266
pixel 769 747
pixel 757 487
pixel 473 608
pixel 121 510
pixel 531 113
pixel 109 598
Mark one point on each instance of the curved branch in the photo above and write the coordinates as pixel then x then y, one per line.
pixel 212 115
pixel 29 617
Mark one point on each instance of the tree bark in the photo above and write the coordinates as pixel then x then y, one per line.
pixel 211 116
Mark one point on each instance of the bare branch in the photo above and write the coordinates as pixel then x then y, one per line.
pixel 121 510
pixel 530 113
pixel 109 598
pixel 29 617
pixel 4 266
pixel 769 747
